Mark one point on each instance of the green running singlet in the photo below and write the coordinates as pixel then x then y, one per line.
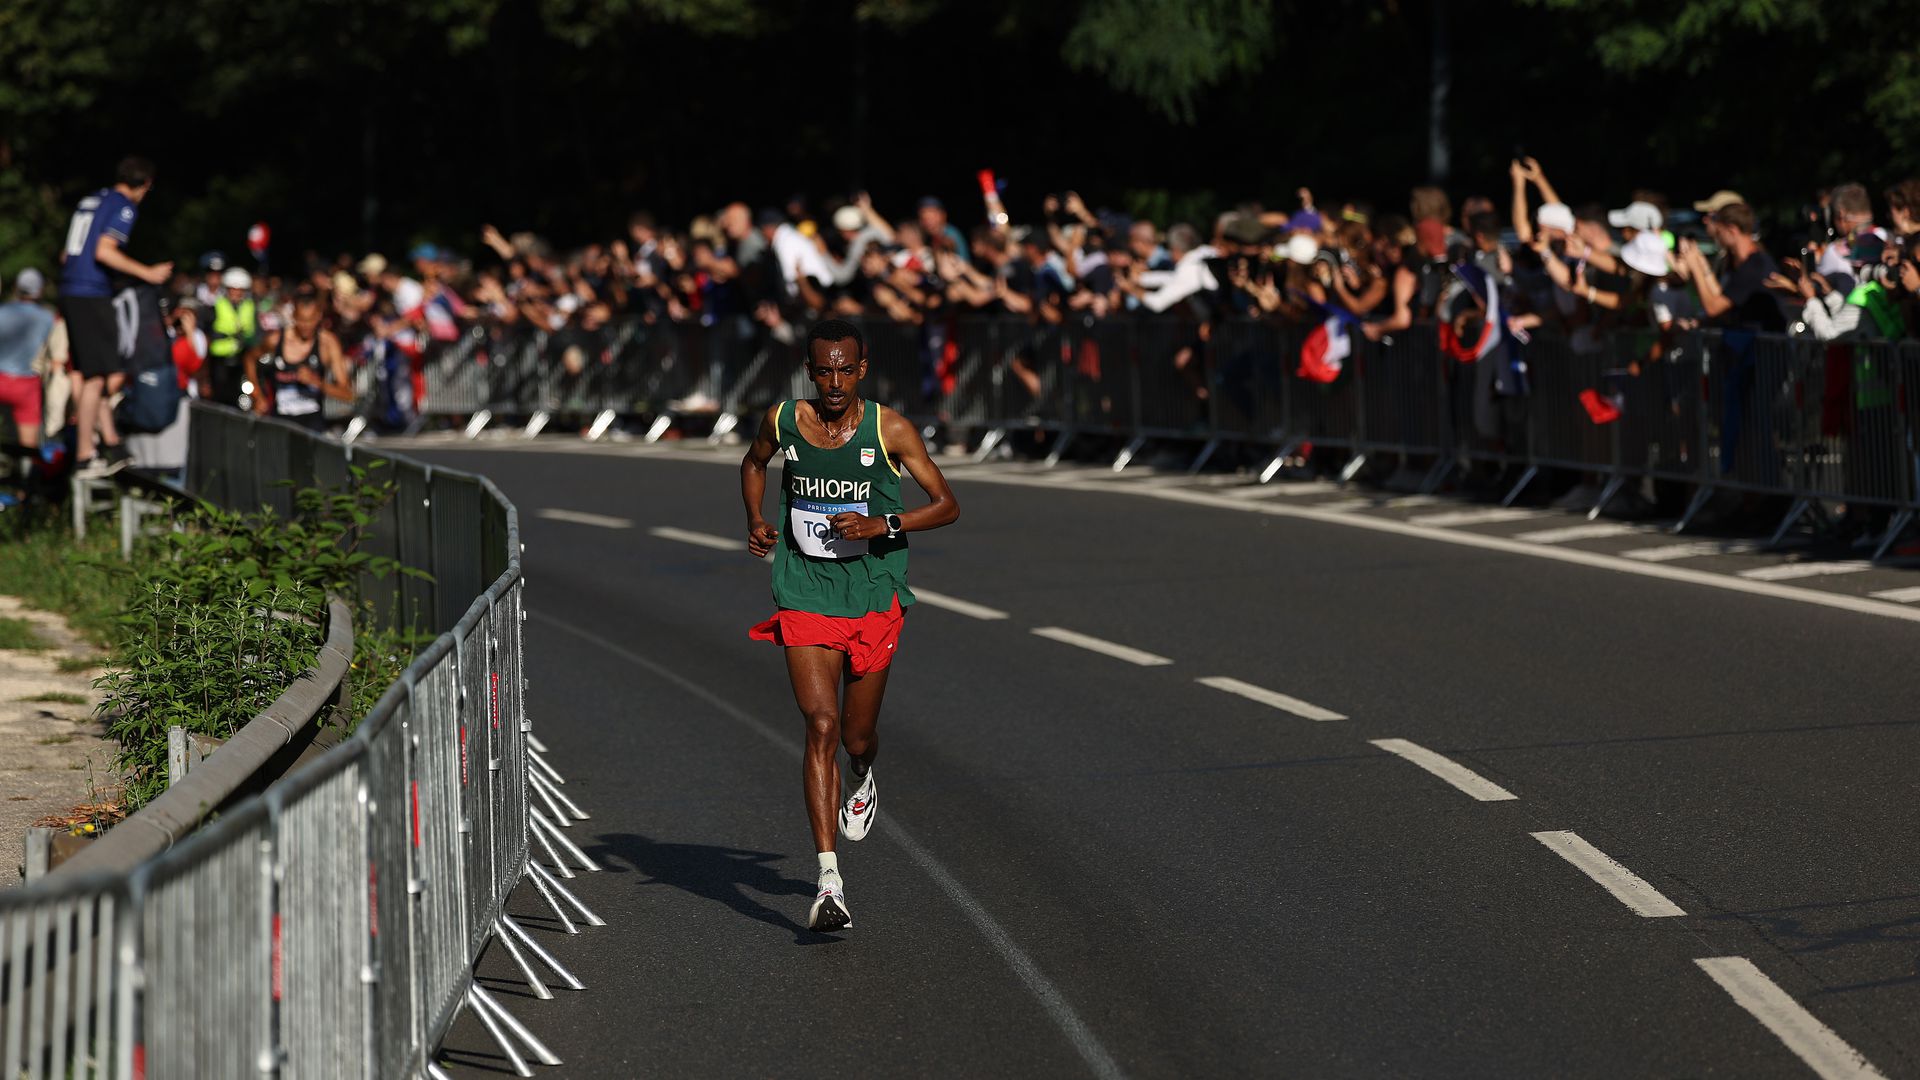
pixel 812 569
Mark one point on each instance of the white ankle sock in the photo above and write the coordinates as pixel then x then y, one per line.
pixel 829 862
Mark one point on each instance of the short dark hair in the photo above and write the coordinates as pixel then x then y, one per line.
pixel 1737 216
pixel 835 330
pixel 135 172
pixel 1485 225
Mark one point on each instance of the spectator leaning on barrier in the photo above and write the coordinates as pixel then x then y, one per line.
pixel 25 326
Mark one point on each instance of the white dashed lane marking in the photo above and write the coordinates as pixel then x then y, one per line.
pixel 951 603
pixel 1490 515
pixel 1626 886
pixel 581 517
pixel 1813 1042
pixel 698 539
pixel 1102 646
pixel 1695 550
pixel 1596 531
pixel 1908 595
pixel 1272 698
pixel 1794 571
pixel 1446 769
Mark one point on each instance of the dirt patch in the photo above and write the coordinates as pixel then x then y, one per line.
pixel 58 755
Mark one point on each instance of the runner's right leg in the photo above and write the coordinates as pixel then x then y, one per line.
pixel 815 673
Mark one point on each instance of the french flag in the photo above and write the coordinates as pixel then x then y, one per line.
pixel 1492 332
pixel 1324 354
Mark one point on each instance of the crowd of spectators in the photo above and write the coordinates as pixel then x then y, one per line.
pixel 1478 270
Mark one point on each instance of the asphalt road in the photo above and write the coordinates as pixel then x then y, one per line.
pixel 1088 866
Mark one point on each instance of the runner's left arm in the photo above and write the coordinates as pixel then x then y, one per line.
pixel 942 509
pixel 339 384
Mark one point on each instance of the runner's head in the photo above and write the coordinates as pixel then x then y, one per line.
pixel 306 314
pixel 836 361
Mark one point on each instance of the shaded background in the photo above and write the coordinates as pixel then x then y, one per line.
pixel 351 124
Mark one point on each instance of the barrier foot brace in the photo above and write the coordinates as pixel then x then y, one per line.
pixel 477 423
pixel 526 970
pixel 1699 503
pixel 551 773
pixel 1897 526
pixel 1606 496
pixel 1354 465
pixel 566 924
pixel 534 1046
pixel 560 818
pixel 987 443
pixel 1134 446
pixel 536 424
pixel 435 1072
pixel 1206 455
pixel 518 1063
pixel 552 856
pixel 538 746
pixel 1799 510
pixel 1525 479
pixel 1060 448
pixel 508 930
pixel 546 881
pixel 550 793
pixel 540 822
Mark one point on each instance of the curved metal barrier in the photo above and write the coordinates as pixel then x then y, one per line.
pixel 328 927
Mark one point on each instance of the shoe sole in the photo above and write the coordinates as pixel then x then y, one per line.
pixel 828 916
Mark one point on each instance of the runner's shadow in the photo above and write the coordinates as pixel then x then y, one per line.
pixel 724 875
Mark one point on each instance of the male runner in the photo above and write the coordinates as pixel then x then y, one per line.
pixel 839 574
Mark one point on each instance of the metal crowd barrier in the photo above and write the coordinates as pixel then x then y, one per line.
pixel 1813 422
pixel 328 928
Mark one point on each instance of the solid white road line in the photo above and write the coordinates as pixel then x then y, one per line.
pixel 1100 645
pixel 1283 489
pixel 1626 886
pixel 580 517
pixel 1268 697
pixel 1490 515
pixel 1453 773
pixel 1694 550
pixel 1812 1041
pixel 964 607
pixel 1599 530
pixel 1791 571
pixel 1058 1008
pixel 698 539
pixel 1342 506
pixel 1899 596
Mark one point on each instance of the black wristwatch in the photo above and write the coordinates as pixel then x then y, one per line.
pixel 893 526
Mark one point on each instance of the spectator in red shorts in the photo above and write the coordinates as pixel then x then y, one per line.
pixel 25 324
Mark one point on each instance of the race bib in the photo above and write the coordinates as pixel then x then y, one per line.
pixel 294 401
pixel 812 527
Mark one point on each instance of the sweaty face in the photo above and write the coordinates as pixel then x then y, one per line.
pixel 836 368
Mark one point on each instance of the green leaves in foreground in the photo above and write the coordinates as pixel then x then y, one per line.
pixel 227 611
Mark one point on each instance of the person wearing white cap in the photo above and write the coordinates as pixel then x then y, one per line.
pixel 235 328
pixel 25 326
pixel 1636 217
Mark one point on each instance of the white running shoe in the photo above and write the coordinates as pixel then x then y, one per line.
pixel 829 911
pixel 857 813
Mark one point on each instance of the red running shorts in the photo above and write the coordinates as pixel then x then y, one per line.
pixel 868 641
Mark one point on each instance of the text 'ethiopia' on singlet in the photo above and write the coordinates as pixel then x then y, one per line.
pixel 814 570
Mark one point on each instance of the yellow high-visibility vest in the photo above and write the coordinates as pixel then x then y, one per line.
pixel 233 328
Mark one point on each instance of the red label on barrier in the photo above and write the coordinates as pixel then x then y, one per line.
pixel 279 957
pixel 493 699
pixel 416 813
pixel 139 1061
pixel 373 900
pixel 463 755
